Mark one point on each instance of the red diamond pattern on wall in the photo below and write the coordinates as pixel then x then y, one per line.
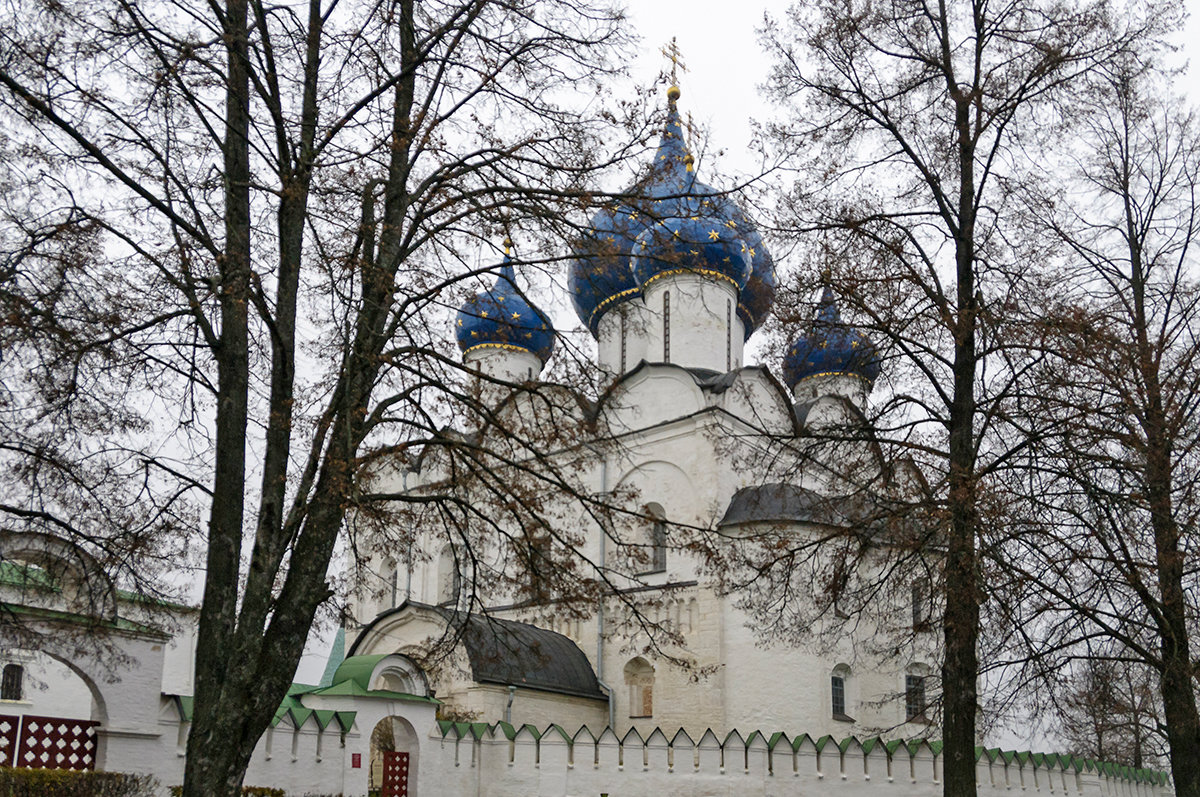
pixel 56 743
pixel 8 739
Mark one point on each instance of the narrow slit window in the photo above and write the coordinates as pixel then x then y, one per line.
pixel 837 688
pixel 728 335
pixel 914 697
pixel 666 326
pixel 623 341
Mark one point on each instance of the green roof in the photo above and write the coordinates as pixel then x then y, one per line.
pixel 120 624
pixel 28 576
pixel 351 688
pixel 358 669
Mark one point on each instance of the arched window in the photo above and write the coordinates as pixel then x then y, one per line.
pixel 839 682
pixel 639 677
pixel 538 555
pixel 403 676
pixel 656 540
pixel 14 676
pixel 915 701
pixel 921 615
pixel 391 575
pixel 448 582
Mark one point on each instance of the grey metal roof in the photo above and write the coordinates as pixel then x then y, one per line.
pixel 778 502
pixel 507 652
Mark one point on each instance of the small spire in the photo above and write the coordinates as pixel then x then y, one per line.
pixel 689 162
pixel 506 268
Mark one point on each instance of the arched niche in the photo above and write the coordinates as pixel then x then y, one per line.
pixel 639 680
pixel 86 588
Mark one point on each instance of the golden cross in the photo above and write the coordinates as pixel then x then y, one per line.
pixel 672 51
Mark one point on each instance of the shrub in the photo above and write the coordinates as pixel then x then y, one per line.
pixel 63 783
pixel 247 791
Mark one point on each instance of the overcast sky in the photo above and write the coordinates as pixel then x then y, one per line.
pixel 726 64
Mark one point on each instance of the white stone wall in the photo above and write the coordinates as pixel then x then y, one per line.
pixel 498 762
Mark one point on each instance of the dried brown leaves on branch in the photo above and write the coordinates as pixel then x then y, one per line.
pixel 912 129
pixel 232 238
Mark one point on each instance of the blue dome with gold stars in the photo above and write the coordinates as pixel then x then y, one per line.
pixel 601 275
pixel 501 317
pixel 755 300
pixel 696 245
pixel 830 347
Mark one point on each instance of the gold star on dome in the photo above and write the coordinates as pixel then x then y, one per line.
pixel 459 322
pixel 499 298
pixel 474 334
pixel 695 218
pixel 854 344
pixel 676 234
pixel 752 251
pixel 713 235
pixel 695 253
pixel 730 224
pixel 528 335
pixel 483 314
pixel 516 316
pixel 727 259
pixel 609 239
pixel 633 215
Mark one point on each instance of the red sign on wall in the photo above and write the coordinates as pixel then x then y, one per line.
pixel 356 760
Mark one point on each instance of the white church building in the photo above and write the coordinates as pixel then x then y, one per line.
pixel 456 683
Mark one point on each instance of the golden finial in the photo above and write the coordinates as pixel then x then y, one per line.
pixel 671 51
pixel 507 245
pixel 673 93
pixel 689 161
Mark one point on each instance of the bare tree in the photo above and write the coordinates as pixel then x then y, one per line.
pixel 1111 713
pixel 229 231
pixel 918 120
pixel 1114 506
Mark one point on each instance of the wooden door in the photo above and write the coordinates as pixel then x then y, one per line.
pixel 395 774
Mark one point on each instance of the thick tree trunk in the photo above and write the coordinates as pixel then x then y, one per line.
pixel 1175 677
pixel 211 768
pixel 1176 681
pixel 960 623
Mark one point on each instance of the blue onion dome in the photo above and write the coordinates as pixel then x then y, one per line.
pixel 830 347
pixel 501 317
pixel 695 244
pixel 758 296
pixel 599 276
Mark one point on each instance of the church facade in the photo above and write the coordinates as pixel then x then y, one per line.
pixel 671 283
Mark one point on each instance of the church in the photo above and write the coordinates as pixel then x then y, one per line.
pixel 693 442
pixel 582 622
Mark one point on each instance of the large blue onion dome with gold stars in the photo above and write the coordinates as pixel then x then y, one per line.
pixel 601 275
pixel 697 245
pixel 501 317
pixel 830 347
